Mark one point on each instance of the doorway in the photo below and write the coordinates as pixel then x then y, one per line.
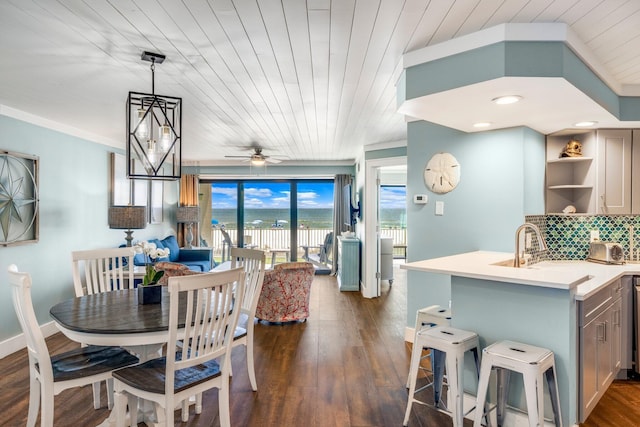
pixel 377 170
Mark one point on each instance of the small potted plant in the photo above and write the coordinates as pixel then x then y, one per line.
pixel 150 291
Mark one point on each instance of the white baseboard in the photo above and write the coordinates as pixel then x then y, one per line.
pixel 13 344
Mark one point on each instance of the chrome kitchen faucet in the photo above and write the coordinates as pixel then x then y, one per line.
pixel 517 260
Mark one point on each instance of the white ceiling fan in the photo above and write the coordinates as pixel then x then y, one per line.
pixel 256 158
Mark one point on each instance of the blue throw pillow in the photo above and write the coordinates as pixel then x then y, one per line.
pixel 171 243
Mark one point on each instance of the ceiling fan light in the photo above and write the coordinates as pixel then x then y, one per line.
pixel 257 161
pixel 507 99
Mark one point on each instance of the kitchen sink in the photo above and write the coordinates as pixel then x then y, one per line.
pixel 509 263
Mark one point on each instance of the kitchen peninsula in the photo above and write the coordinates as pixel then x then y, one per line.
pixel 543 305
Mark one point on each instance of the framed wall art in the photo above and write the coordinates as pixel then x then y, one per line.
pixel 18 198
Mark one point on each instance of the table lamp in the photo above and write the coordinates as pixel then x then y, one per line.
pixel 128 218
pixel 188 215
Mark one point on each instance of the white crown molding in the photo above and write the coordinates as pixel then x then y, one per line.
pixel 58 127
pixel 385 145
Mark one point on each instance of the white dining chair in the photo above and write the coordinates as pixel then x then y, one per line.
pixel 102 270
pixel 204 361
pixel 253 263
pixel 50 375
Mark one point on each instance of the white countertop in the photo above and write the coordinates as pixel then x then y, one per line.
pixel 586 277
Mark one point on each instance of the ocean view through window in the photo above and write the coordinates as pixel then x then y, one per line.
pixel 262 213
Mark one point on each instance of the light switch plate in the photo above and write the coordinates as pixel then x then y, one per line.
pixel 595 235
pixel 440 208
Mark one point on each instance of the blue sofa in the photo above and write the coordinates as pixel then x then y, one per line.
pixel 195 259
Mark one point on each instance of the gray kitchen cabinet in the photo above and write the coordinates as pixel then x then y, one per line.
pixel 600 332
pixel 614 171
pixel 635 166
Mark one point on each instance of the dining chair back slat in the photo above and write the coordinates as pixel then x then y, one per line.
pixel 102 270
pixel 253 262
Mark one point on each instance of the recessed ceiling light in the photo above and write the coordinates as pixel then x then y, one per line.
pixel 585 124
pixel 482 125
pixel 508 99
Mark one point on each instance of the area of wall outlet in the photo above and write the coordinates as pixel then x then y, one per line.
pixel 595 235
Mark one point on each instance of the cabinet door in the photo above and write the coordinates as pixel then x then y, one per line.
pixel 616 337
pixel 614 171
pixel 589 368
pixel 597 360
pixel 605 350
pixel 635 166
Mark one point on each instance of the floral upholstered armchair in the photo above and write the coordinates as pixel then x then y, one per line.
pixel 285 292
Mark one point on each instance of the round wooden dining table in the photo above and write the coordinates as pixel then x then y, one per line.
pixel 116 319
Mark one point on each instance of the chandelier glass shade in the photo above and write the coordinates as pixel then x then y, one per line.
pixel 154 132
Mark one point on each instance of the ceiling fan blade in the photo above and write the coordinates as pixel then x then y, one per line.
pixel 272 160
pixel 238 157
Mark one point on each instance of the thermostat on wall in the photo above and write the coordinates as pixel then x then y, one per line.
pixel 420 199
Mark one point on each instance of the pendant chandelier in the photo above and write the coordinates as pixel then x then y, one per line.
pixel 154 131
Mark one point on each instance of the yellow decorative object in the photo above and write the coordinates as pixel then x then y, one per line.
pixel 572 149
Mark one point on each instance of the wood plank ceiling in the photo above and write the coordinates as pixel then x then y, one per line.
pixel 307 80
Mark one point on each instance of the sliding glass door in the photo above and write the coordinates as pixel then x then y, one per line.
pixel 267 218
pixel 262 214
pixel 315 223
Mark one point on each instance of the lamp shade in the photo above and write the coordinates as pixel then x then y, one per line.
pixel 187 214
pixel 128 217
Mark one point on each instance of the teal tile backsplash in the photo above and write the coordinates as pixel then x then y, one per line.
pixel 568 236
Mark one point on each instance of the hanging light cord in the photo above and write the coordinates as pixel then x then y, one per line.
pixel 153 76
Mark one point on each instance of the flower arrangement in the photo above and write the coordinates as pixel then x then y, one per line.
pixel 151 253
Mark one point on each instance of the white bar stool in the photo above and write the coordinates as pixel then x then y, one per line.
pixel 532 362
pixel 449 346
pixel 427 317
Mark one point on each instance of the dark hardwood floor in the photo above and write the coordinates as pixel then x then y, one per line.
pixel 346 366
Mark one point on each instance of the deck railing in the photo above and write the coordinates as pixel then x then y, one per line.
pixel 279 238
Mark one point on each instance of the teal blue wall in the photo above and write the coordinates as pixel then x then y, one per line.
pixel 502 177
pixel 74 182
pixel 531 312
pixel 513 59
pixel 385 153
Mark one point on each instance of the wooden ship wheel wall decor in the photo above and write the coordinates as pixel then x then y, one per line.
pixel 18 198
